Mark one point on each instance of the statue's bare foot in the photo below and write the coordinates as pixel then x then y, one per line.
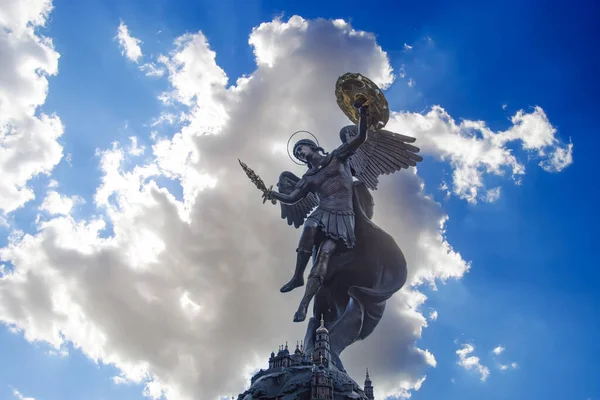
pixel 296 281
pixel 300 315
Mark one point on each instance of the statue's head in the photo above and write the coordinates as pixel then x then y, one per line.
pixel 304 150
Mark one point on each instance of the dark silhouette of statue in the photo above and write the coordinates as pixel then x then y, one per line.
pixel 356 266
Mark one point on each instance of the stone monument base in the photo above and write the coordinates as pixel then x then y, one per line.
pixel 296 376
pixel 303 382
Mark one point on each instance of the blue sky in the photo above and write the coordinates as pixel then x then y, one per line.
pixel 532 283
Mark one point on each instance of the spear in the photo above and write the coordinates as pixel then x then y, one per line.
pixel 257 181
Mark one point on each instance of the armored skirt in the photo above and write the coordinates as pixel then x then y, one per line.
pixel 336 225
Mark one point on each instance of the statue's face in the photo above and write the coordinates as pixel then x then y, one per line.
pixel 304 152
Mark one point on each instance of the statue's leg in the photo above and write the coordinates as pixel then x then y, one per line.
pixel 304 251
pixel 315 278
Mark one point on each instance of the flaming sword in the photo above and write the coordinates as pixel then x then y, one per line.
pixel 257 181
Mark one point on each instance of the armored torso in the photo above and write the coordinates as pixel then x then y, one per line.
pixel 332 182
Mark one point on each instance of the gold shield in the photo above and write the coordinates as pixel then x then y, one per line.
pixel 351 87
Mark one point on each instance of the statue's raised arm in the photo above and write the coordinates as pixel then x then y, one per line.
pixel 354 142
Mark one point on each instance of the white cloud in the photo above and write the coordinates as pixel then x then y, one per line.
pixel 19 16
pixel 134 148
pixel 504 367
pixel 17 395
pixel 492 195
pixel 470 362
pixel 411 82
pixel 164 298
pixel 407 47
pixel 433 315
pixel 28 138
pixel 194 75
pixel 402 72
pixel 168 118
pixel 559 159
pixel 474 150
pixel 151 69
pixel 130 46
pixel 56 204
pixel 404 391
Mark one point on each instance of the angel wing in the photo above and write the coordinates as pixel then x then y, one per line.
pixel 295 213
pixel 383 153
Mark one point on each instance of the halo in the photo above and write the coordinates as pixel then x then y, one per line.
pixel 307 135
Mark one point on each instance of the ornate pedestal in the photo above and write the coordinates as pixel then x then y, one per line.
pixel 303 383
pixel 302 376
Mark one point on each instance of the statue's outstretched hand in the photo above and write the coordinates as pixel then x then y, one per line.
pixel 268 195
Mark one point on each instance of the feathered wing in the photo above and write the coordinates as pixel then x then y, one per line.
pixel 296 213
pixel 383 153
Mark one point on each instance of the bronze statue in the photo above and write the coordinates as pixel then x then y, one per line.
pixel 356 265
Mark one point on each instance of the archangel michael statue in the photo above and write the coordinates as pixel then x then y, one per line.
pixel 356 266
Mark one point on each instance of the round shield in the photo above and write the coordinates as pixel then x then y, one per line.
pixel 351 87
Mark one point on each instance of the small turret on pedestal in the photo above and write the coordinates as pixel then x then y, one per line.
pixel 369 387
pixel 322 347
pixel 322 383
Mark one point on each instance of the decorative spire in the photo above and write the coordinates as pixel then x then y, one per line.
pixel 286 346
pixel 369 387
pixel 302 345
pixel 322 329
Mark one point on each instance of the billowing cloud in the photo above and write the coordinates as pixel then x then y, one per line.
pixel 183 295
pixel 471 362
pixel 130 46
pixel 475 151
pixel 498 350
pixel 28 138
